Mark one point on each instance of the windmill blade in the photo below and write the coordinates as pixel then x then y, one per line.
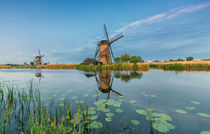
pixel 117 93
pixel 116 39
pixel 111 52
pixel 112 81
pixel 39 52
pixel 107 37
pixel 96 53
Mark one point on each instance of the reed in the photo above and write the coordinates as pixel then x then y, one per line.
pixel 184 65
pixel 25 111
pixel 114 66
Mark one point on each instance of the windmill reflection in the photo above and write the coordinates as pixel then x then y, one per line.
pixel 104 80
pixel 39 75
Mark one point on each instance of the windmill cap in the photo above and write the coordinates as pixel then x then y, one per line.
pixel 103 42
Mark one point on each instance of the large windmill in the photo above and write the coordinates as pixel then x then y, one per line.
pixel 104 49
pixel 38 59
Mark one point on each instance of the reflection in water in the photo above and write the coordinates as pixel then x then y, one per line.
pixel 104 79
pixel 127 76
pixel 39 75
pixel 104 82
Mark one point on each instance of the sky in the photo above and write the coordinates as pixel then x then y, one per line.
pixel 68 31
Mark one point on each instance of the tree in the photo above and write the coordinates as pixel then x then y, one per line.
pixel 135 59
pixel 32 63
pixel 189 58
pixel 125 57
pixel 117 59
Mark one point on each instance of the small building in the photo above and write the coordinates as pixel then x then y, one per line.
pixel 91 61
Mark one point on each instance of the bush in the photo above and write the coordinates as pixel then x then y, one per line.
pixel 189 58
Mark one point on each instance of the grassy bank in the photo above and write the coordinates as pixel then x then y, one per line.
pixel 182 65
pixel 114 66
pixel 24 112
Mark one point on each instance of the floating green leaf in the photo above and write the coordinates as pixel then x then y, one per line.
pixel 62 98
pixel 132 101
pixel 135 122
pixel 91 112
pixel 95 124
pixel 190 108
pixel 195 102
pixel 162 116
pixel 108 119
pixel 153 95
pixel 94 117
pixel 141 111
pixel 73 98
pixel 121 99
pixel 204 115
pixel 205 132
pixel 105 110
pixel 163 127
pixel 91 108
pixel 119 110
pixel 61 104
pixel 85 95
pixel 109 114
pixel 181 111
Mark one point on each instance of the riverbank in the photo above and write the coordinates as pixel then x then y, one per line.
pixel 181 65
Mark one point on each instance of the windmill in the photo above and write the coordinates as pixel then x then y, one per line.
pixel 104 49
pixel 38 59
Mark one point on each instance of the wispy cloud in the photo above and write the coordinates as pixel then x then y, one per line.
pixel 173 13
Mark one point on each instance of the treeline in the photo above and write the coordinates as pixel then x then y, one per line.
pixel 126 58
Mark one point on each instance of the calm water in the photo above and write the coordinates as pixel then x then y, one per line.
pixel 162 91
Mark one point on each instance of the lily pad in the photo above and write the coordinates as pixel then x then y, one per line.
pixel 108 119
pixel 95 124
pixel 195 102
pixel 109 114
pixel 135 122
pixel 85 95
pixel 205 132
pixel 62 98
pixel 163 127
pixel 121 99
pixel 132 101
pixel 91 112
pixel 105 110
pixel 94 117
pixel 91 108
pixel 162 116
pixel 141 111
pixel 181 111
pixel 153 95
pixel 73 98
pixel 190 108
pixel 204 115
pixel 119 110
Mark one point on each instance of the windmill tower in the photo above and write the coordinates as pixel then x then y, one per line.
pixel 38 59
pixel 104 48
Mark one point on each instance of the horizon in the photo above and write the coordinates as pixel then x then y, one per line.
pixel 68 32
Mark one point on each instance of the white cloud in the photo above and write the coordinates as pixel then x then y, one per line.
pixel 165 15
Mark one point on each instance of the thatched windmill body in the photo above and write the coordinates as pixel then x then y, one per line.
pixel 38 59
pixel 104 50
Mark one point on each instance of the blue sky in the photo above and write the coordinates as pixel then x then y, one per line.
pixel 68 31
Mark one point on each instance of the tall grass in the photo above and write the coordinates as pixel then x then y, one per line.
pixel 114 66
pixel 26 113
pixel 180 66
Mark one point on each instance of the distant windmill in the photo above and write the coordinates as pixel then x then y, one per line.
pixel 38 59
pixel 104 48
